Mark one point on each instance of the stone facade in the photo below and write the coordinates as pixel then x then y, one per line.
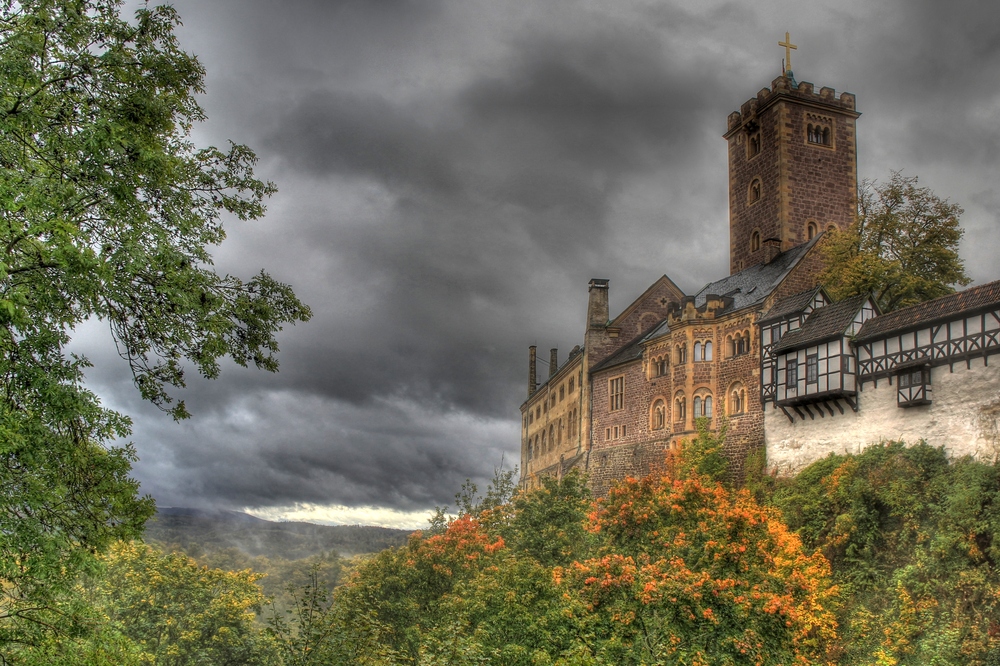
pixel 792 168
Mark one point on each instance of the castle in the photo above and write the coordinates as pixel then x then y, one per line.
pixel 794 374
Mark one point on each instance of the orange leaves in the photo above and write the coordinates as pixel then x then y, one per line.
pixel 705 566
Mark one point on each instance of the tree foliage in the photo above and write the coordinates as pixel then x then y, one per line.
pixel 902 247
pixel 666 569
pixel 914 543
pixel 107 211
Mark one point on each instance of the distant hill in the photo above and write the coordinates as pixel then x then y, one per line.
pixel 199 531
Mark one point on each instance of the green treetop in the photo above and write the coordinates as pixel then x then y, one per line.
pixel 107 211
pixel 903 246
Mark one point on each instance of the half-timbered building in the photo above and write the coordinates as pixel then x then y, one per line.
pixel 922 372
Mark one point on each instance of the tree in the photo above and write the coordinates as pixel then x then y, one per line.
pixel 107 211
pixel 693 573
pixel 902 247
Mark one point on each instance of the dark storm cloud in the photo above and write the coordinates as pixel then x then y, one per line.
pixel 452 173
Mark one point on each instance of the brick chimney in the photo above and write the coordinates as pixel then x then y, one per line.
pixel 772 248
pixel 532 378
pixel 553 361
pixel 597 304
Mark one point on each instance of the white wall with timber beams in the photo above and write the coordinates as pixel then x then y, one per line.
pixel 964 418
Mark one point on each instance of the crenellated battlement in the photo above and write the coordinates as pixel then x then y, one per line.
pixel 786 86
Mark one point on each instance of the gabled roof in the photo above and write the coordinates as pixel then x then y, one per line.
pixel 944 307
pixel 635 304
pixel 792 305
pixel 752 285
pixel 830 321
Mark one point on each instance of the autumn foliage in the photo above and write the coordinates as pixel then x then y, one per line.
pixel 674 569
pixel 691 572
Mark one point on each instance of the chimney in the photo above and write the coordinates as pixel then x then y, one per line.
pixel 597 305
pixel 532 379
pixel 772 248
pixel 553 361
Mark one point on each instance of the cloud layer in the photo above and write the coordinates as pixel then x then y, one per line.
pixel 452 173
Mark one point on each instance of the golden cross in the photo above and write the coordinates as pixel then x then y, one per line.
pixel 788 51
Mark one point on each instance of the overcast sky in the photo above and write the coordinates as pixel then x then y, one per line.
pixel 451 174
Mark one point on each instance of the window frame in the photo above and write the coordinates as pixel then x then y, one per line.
pixel 616 393
pixel 812 369
pixel 792 373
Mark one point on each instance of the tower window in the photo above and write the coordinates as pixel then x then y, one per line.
pixel 755 241
pixel 819 133
pixel 753 145
pixel 753 195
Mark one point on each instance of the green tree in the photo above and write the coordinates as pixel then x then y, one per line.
pixel 107 211
pixel 903 246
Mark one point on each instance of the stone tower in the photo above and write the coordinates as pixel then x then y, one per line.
pixel 792 169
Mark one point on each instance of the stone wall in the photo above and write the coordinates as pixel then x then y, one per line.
pixel 610 463
pixel 800 181
pixel 964 417
pixel 635 413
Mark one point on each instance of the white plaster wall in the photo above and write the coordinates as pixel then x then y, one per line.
pixel 963 417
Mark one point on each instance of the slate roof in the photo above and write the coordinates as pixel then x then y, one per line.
pixel 748 287
pixel 944 307
pixel 790 305
pixel 752 285
pixel 824 323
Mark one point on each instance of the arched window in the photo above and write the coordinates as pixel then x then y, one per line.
pixel 737 399
pixel 552 437
pixel 559 432
pixel 680 407
pixel 755 241
pixel 659 415
pixel 753 146
pixel 831 228
pixel 753 194
pixel 826 136
pixel 698 352
pixel 706 351
pixel 810 230
pixel 741 343
pixel 702 404
pixel 544 447
pixel 681 354
pixel 529 451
